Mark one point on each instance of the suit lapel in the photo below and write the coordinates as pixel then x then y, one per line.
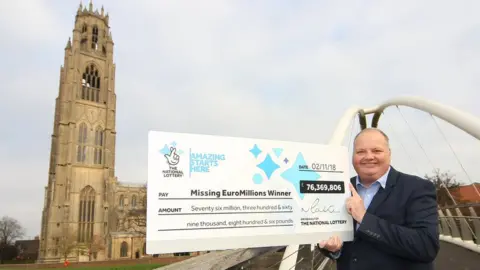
pixel 353 180
pixel 382 194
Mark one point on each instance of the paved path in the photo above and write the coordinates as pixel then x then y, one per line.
pixel 452 257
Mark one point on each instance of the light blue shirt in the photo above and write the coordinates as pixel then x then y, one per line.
pixel 367 193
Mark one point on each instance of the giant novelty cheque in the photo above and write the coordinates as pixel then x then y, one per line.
pixel 212 192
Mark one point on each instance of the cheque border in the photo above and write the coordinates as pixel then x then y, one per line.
pixel 203 244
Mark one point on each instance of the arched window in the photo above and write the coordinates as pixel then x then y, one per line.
pixel 86 216
pixel 98 153
pixel 82 143
pixel 121 201
pixel 83 44
pixel 91 84
pixel 144 249
pixel 84 28
pixel 95 38
pixel 134 201
pixel 124 249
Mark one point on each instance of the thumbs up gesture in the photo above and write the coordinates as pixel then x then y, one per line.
pixel 355 206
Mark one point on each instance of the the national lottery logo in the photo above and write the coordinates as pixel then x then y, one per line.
pixel 172 156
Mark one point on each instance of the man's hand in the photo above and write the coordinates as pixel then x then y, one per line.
pixel 333 244
pixel 355 205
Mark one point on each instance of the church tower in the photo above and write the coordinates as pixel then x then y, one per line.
pixel 82 158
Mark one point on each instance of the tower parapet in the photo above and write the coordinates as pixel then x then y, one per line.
pixel 84 11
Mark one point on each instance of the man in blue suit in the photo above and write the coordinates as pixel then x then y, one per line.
pixel 395 214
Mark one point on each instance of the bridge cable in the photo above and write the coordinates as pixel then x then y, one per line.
pixel 418 141
pixel 455 154
pixel 316 265
pixel 291 254
pixel 461 165
pixel 416 138
pixel 301 259
pixel 425 153
pixel 402 145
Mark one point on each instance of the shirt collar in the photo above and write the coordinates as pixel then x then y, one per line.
pixel 382 180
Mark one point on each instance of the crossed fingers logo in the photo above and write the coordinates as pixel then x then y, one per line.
pixel 172 158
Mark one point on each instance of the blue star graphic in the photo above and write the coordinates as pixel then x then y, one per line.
pixel 278 151
pixel 165 150
pixel 255 151
pixel 268 166
pixel 293 175
pixel 174 144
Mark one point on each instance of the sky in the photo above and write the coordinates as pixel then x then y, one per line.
pixel 280 70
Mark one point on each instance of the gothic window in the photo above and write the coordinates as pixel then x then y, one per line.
pixel 84 28
pixel 121 201
pixel 124 249
pixel 86 214
pixel 95 38
pixel 83 44
pixel 91 84
pixel 99 141
pixel 134 201
pixel 144 249
pixel 144 201
pixel 82 143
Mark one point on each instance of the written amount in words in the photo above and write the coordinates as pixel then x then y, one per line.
pixel 240 208
pixel 240 223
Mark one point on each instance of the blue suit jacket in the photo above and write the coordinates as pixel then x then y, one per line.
pixel 399 230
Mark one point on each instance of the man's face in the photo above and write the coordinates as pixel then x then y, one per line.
pixel 371 157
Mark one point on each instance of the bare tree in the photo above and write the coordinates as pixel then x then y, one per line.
pixel 95 245
pixel 135 219
pixel 445 184
pixel 68 245
pixel 10 230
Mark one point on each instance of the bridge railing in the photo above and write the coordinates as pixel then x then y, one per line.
pixel 460 225
pixel 255 258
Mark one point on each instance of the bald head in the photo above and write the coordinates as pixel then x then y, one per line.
pixel 374 130
pixel 371 156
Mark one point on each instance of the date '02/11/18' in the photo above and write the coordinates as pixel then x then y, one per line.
pixel 324 167
pixel 319 167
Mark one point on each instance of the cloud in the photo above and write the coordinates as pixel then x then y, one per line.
pixel 28 23
pixel 276 70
